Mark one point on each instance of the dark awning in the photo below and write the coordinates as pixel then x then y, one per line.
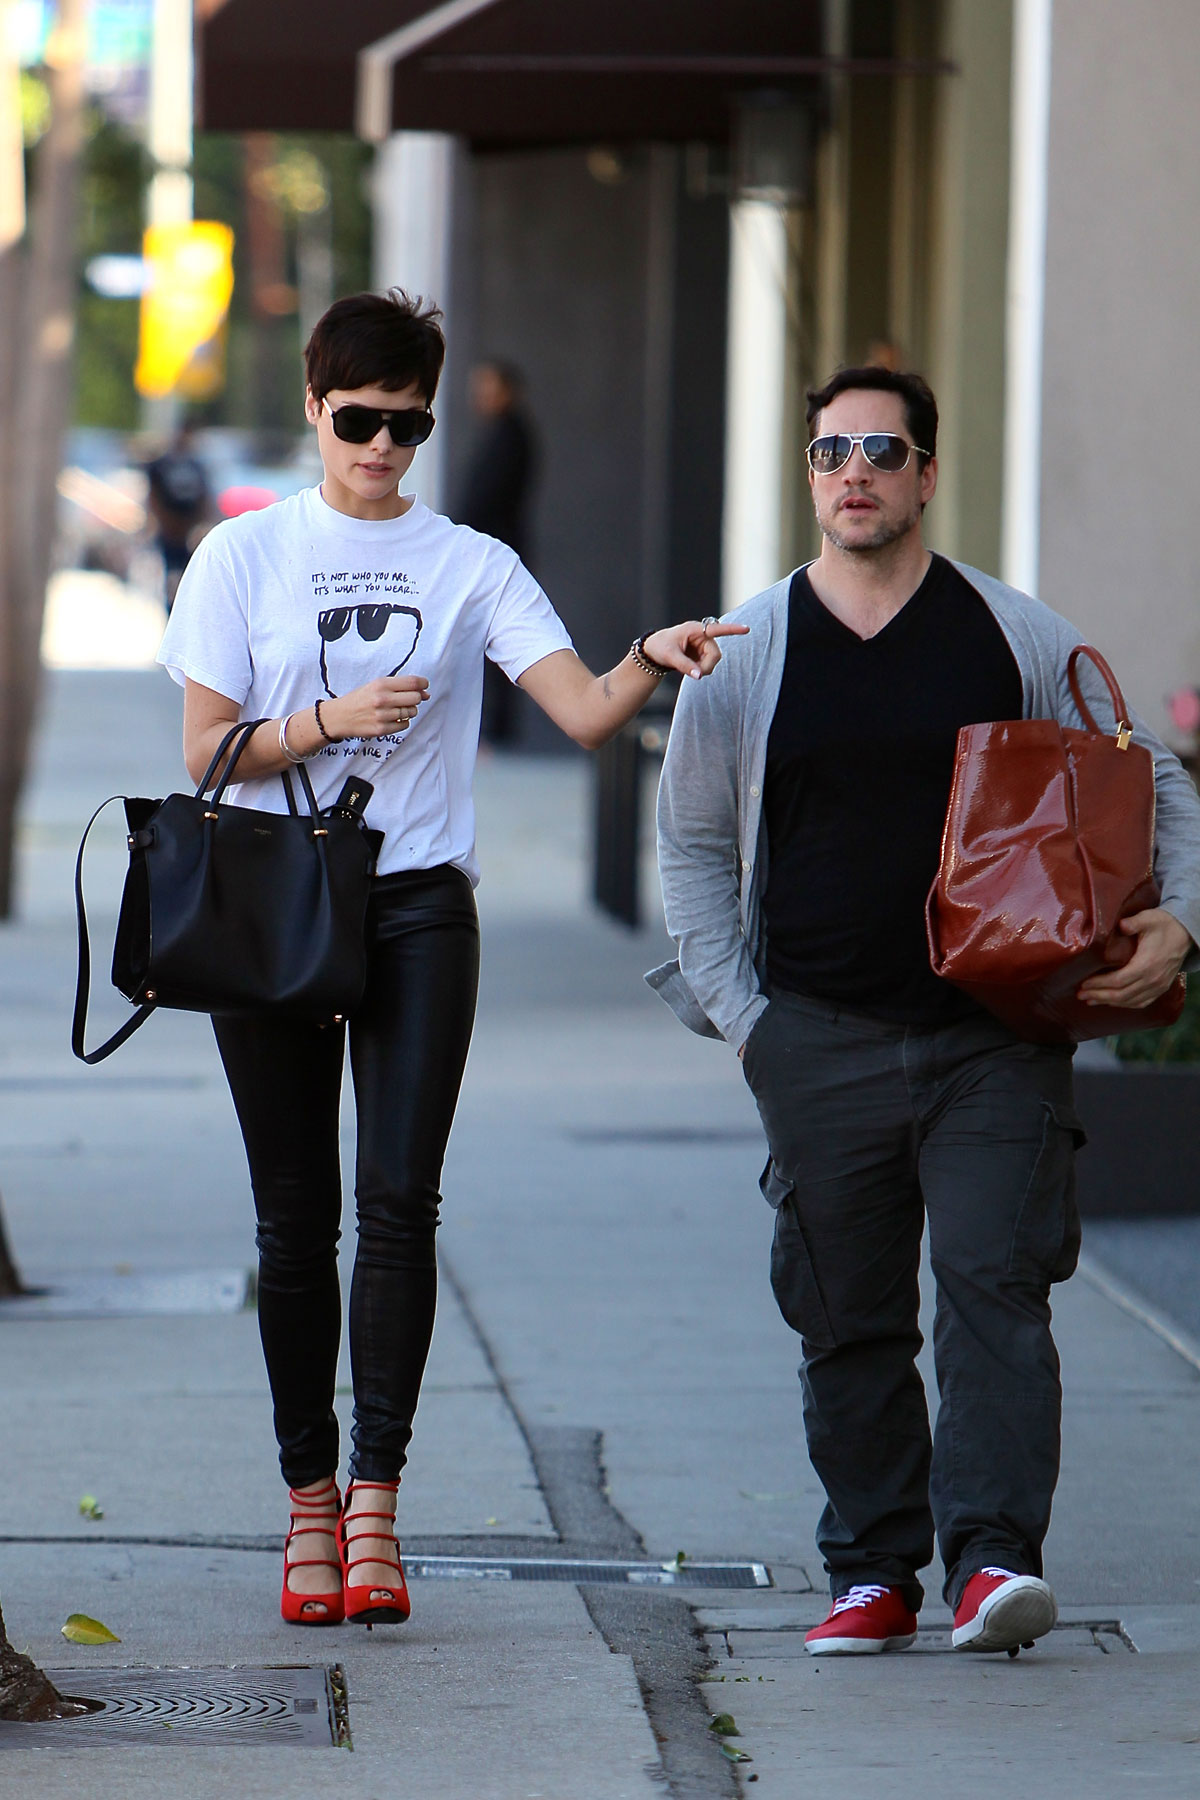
pixel 504 71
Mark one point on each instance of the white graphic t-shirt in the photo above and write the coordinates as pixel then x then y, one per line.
pixel 299 602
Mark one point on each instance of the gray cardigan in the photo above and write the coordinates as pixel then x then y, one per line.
pixel 712 841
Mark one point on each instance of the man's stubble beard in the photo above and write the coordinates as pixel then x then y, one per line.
pixel 884 534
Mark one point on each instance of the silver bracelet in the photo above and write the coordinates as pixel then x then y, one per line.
pixel 283 743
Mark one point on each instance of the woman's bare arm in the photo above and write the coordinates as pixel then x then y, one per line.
pixel 383 706
pixel 592 708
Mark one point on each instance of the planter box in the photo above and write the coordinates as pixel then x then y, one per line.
pixel 1143 1151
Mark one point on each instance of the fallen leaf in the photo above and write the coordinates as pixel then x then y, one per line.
pixel 734 1754
pixel 79 1629
pixel 491 1521
pixel 725 1725
pixel 90 1507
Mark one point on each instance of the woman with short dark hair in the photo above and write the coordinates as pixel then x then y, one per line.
pixel 358 622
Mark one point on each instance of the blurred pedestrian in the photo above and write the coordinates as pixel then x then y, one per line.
pixel 495 496
pixel 801 812
pixel 358 623
pixel 179 502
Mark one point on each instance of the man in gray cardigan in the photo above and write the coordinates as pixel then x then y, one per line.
pixel 800 818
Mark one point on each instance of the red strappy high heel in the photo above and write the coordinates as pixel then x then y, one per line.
pixel 371 1603
pixel 313 1512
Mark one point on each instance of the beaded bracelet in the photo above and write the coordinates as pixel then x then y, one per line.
pixel 646 663
pixel 317 705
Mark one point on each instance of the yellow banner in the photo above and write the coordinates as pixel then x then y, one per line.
pixel 181 342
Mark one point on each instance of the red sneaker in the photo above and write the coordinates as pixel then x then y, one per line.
pixel 863 1622
pixel 1003 1611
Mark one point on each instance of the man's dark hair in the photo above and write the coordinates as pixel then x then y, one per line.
pixel 390 340
pixel 920 407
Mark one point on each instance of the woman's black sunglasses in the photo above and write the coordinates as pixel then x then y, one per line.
pixel 359 424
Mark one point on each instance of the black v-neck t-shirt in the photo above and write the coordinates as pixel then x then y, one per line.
pixel 859 763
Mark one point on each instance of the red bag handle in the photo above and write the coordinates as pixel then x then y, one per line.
pixel 1124 730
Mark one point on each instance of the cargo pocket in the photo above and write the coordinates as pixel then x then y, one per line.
pixel 774 1187
pixel 794 1281
pixel 1046 1236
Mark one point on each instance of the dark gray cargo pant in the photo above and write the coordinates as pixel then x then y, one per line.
pixel 872 1128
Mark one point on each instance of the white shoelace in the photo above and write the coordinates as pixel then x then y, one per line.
pixel 1008 1574
pixel 857 1596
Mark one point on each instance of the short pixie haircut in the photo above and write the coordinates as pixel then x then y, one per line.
pixel 920 407
pixel 391 340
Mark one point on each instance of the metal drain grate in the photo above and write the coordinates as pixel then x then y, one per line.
pixel 1105 1635
pixel 622 1574
pixel 286 1705
pixel 666 1134
pixel 54 1084
pixel 136 1295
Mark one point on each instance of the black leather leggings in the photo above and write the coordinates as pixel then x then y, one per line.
pixel 408 1046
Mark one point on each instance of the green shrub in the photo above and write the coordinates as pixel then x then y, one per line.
pixel 1175 1043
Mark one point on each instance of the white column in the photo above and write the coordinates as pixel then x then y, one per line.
pixel 413 189
pixel 169 120
pixel 1024 329
pixel 12 149
pixel 751 532
pixel 169 143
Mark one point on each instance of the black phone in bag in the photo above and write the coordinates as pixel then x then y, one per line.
pixel 351 802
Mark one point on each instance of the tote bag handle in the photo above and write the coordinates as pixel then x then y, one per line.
pixel 1120 711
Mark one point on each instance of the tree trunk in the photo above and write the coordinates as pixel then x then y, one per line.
pixel 11 287
pixel 37 289
pixel 25 1693
pixel 10 1276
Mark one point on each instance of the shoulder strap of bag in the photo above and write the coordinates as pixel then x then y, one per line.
pixel 83 979
pixel 1110 681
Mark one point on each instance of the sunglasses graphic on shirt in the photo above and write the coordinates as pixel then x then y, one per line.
pixel 382 622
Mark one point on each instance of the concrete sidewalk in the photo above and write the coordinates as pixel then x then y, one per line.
pixel 604 1255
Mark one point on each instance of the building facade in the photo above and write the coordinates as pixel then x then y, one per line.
pixel 675 218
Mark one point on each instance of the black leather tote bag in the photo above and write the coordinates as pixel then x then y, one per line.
pixel 230 910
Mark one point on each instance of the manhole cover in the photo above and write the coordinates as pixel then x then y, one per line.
pixel 289 1705
pixel 625 1574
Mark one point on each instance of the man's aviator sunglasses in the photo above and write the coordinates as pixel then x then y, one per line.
pixel 884 450
pixel 359 424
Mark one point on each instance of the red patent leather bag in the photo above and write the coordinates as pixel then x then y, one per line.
pixel 1048 845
